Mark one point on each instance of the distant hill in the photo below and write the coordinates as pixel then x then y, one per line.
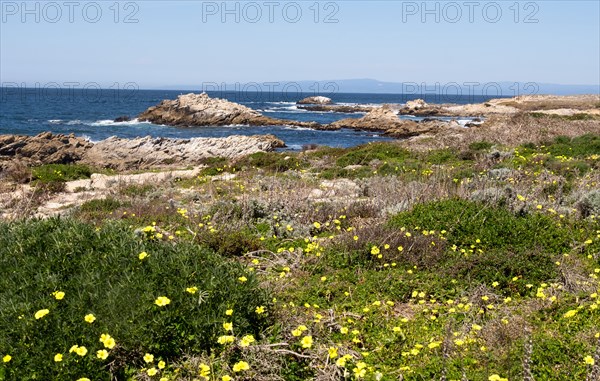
pixel 501 88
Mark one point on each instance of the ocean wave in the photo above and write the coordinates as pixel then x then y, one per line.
pixel 297 128
pixel 108 122
pixel 54 121
pixel 89 139
pixel 464 122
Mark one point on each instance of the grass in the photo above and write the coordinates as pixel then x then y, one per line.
pixel 579 116
pixel 446 261
pixel 61 172
pixel 100 273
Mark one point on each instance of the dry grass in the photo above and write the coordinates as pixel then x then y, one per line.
pixel 506 131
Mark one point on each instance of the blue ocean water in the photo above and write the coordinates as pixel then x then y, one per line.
pixel 91 113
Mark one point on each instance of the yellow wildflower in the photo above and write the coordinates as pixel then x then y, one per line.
pixel 162 301
pixel 102 354
pixel 247 340
pixel 192 290
pixel 41 313
pixel 89 318
pixel 240 366
pixel 226 339
pixel 204 371
pixel 59 295
pixel 589 360
pixel 307 341
pixel 333 352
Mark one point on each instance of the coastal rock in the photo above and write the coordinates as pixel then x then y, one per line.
pixel 385 119
pixel 202 110
pixel 378 119
pixel 348 109
pixel 45 148
pixel 317 100
pixel 123 118
pixel 160 152
pixel 416 104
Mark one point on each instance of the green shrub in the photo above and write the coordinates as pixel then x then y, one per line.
pixel 503 244
pixel 363 155
pixel 61 172
pixel 480 146
pixel 580 146
pixel 271 161
pixel 495 227
pixel 100 272
pixel 108 204
pixel 441 156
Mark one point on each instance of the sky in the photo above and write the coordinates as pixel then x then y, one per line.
pixel 158 44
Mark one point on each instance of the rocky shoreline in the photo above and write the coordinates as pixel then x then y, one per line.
pixel 128 154
pixel 201 110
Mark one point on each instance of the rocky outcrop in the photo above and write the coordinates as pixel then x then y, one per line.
pixel 385 119
pixel 150 152
pixel 122 118
pixel 348 109
pixel 416 104
pixel 317 100
pixel 45 148
pixel 202 110
pixel 378 119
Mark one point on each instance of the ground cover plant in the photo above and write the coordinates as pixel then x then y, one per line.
pixel 379 262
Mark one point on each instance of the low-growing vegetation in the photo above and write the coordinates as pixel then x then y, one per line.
pixel 471 262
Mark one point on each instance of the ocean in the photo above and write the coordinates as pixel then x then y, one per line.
pixel 91 114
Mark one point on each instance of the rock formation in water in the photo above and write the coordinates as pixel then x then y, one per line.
pixel 202 110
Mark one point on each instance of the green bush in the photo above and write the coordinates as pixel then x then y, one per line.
pixel 108 204
pixel 480 146
pixel 580 146
pixel 271 161
pixel 500 244
pixel 363 155
pixel 100 272
pixel 61 172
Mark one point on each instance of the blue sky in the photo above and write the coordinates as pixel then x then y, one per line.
pixel 186 42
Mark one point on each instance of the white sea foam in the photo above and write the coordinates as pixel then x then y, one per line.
pixel 108 122
pixel 56 121
pixel 464 122
pixel 282 103
pixel 297 128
